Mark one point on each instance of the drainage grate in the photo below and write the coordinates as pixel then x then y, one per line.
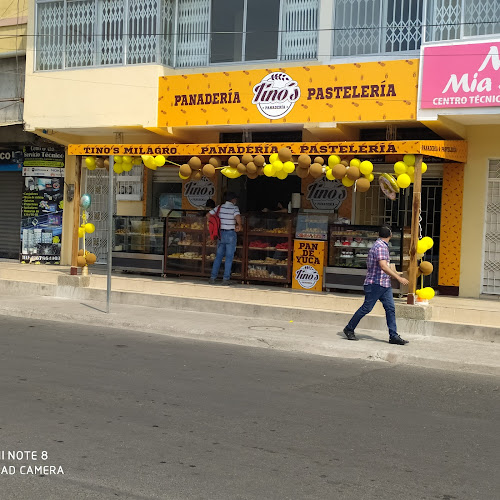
pixel 266 328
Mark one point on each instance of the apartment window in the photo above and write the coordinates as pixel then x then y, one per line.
pixel 244 30
pixel 377 26
pixel 456 19
pixel 180 33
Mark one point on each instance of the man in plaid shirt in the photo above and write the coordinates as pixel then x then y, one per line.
pixel 378 287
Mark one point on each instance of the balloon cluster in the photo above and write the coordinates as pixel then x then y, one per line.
pixel 425 268
pixel 195 170
pixel 85 257
pixel 405 171
pixel 151 162
pixel 124 163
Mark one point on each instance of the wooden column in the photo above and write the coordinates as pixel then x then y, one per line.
pixel 415 223
pixel 76 217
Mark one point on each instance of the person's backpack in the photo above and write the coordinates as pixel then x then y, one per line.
pixel 214 225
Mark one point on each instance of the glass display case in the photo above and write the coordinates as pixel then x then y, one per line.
pixel 312 227
pixel 138 244
pixel 189 249
pixel 268 247
pixel 348 253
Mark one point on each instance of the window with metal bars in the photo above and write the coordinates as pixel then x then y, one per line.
pixel 180 33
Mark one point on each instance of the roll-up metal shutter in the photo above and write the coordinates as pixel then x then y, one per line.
pixel 11 191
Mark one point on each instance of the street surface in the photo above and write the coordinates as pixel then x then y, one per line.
pixel 143 416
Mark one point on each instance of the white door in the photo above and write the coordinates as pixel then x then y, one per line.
pixel 491 267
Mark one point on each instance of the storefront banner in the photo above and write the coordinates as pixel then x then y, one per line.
pixel 308 265
pixel 372 91
pixel 465 75
pixel 451 150
pixel 43 157
pixel 11 157
pixel 195 194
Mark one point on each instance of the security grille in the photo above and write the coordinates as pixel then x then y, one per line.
pixel 377 26
pixel 193 26
pixel 375 209
pixel 110 21
pixel 168 29
pixel 455 19
pixel 50 36
pixel 299 35
pixel 80 20
pixel 142 31
pixel 491 267
pixel 95 184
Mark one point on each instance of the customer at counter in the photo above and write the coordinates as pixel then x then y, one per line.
pixel 230 223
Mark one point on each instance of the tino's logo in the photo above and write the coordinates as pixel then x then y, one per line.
pixel 307 276
pixel 276 95
pixel 199 192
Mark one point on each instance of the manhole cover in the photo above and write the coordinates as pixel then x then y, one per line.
pixel 266 328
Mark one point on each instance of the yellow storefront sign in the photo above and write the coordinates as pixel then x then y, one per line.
pixel 450 150
pixel 308 265
pixel 372 91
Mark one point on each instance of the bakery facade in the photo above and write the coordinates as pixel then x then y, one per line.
pixel 363 111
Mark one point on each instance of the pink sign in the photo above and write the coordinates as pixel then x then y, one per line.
pixel 461 76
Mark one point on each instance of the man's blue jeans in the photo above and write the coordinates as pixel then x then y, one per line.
pixel 372 294
pixel 226 247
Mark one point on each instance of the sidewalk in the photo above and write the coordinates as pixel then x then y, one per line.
pixel 445 316
pixel 452 333
pixel 430 352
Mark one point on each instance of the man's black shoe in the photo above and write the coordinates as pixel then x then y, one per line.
pixel 349 334
pixel 398 340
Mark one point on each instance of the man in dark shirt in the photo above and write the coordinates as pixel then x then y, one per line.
pixel 377 286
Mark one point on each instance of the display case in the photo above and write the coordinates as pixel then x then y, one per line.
pixel 138 244
pixel 348 253
pixel 312 227
pixel 268 247
pixel 189 249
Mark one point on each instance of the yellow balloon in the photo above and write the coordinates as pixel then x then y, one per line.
pixel 329 175
pixel 89 228
pixel 127 159
pixel 269 170
pixel 145 158
pixel 403 180
pixel 409 160
pixel 354 163
pixel 278 165
pixel 347 182
pixel 281 174
pixel 430 292
pixel 418 293
pixel 400 168
pixel 150 163
pixel 288 167
pixel 424 167
pixel 159 161
pixel 412 178
pixel 90 162
pixel 370 177
pixel 411 171
pixel 421 247
pixel 127 167
pixel 428 242
pixel 118 159
pixel 183 177
pixel 333 160
pixel 118 169
pixel 81 232
pixel 274 157
pixel 366 167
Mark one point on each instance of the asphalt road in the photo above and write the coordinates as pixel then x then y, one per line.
pixel 137 416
